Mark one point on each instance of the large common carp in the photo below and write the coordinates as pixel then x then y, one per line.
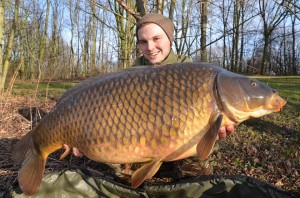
pixel 147 114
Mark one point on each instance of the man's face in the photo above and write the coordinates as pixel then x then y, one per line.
pixel 154 43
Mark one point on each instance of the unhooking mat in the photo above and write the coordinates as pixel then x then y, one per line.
pixel 80 183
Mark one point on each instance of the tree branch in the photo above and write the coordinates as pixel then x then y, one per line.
pixel 129 10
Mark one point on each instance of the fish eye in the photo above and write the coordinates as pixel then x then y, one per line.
pixel 253 84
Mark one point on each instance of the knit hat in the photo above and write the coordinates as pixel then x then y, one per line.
pixel 165 23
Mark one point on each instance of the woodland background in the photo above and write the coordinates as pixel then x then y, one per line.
pixel 54 39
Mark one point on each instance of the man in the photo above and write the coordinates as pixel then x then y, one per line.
pixel 155 34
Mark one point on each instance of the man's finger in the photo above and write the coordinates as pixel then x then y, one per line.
pixel 222 132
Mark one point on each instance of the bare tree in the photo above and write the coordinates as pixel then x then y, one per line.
pixel 160 6
pixel 93 40
pixel 72 54
pixel 172 9
pixel 182 26
pixel 43 43
pixel 5 63
pixel 242 30
pixel 224 9
pixel 235 38
pixel 31 37
pixel 21 47
pixel 203 30
pixel 293 19
pixel 141 6
pixel 125 28
pixel 2 17
pixel 271 15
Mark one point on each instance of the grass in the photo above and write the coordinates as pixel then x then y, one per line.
pixel 53 89
pixel 287 86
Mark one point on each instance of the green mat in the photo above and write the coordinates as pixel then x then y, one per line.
pixel 81 183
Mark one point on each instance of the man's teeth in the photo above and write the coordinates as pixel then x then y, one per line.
pixel 153 54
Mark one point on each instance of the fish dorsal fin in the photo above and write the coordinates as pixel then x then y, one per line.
pixel 207 142
pixel 147 171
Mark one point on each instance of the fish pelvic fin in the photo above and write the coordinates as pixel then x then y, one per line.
pixel 147 171
pixel 32 165
pixel 207 142
pixel 67 151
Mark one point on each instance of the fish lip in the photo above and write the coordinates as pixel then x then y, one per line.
pixel 279 102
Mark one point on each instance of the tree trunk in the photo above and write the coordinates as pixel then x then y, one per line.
pixel 242 35
pixel 224 17
pixel 71 57
pixel 203 30
pixel 141 6
pixel 235 39
pixel 294 66
pixel 94 41
pixel 79 43
pixel 270 21
pixel 86 44
pixel 43 42
pixel 52 64
pixel 125 29
pixel 102 43
pixel 2 16
pixel 264 61
pixel 172 9
pixel 160 6
pixel 22 68
pixel 129 36
pixel 32 43
pixel 9 46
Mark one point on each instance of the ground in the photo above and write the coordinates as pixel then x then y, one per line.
pixel 266 148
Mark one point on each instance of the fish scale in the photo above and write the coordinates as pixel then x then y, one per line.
pixel 149 114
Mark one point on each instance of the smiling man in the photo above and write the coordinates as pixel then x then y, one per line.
pixel 155 34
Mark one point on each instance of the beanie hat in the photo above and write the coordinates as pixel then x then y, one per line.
pixel 165 23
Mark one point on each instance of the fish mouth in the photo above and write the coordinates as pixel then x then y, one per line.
pixel 277 102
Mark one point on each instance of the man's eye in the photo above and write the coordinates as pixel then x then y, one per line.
pixel 156 39
pixel 142 42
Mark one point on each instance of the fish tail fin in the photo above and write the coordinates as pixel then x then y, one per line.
pixel 32 165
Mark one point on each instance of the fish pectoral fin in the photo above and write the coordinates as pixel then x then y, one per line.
pixel 33 165
pixel 145 172
pixel 207 142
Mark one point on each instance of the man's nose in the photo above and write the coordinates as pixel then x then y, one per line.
pixel 150 45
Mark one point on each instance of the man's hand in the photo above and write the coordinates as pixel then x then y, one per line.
pixel 77 153
pixel 224 131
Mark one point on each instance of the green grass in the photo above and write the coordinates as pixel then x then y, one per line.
pixel 287 86
pixel 53 89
